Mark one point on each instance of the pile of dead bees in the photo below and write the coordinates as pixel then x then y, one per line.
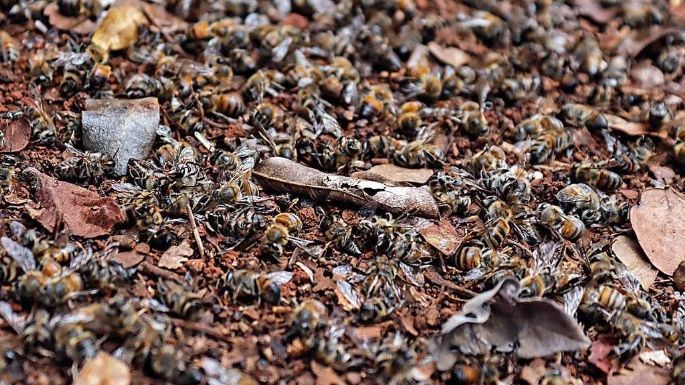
pixel 528 130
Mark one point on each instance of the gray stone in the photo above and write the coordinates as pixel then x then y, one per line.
pixel 122 128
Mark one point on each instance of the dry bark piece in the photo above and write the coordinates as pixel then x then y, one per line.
pixel 630 128
pixel 442 235
pixel 391 173
pixel 119 29
pixel 129 259
pixel 449 55
pixel 284 175
pixel 103 369
pixel 629 252
pixel 174 256
pixel 637 372
pixel 85 213
pixel 498 319
pixel 17 134
pixel 659 227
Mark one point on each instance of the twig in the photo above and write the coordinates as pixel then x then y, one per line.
pixel 149 268
pixel 202 328
pixel 196 234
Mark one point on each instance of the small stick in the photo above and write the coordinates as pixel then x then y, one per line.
pixel 154 270
pixel 196 234
pixel 202 328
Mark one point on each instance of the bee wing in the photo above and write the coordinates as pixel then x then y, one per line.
pixel 126 188
pixel 17 229
pixel 279 52
pixel 11 317
pixel 348 296
pixel 74 149
pixel 81 259
pixel 416 278
pixel 280 277
pixel 572 300
pixel 22 256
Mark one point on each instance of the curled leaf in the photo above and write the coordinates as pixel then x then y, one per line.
pixel 284 175
pixel 630 253
pixel 391 173
pixel 119 29
pixel 498 319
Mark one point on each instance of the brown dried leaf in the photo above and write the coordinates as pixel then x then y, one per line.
pixel 103 370
pixel 174 257
pixel 449 55
pixel 442 235
pixel 630 128
pixel 284 175
pixel 599 355
pixel 85 213
pixel 17 134
pixel 630 253
pixel 408 325
pixel 637 372
pixel 325 375
pixel 129 259
pixel 81 25
pixel 499 319
pixel 119 29
pixel 391 173
pixel 659 227
pixel 162 18
pixel 533 372
pixel 639 39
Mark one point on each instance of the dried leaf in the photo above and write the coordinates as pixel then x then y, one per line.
pixel 17 134
pixel 449 55
pixel 442 235
pixel 284 175
pixel 637 372
pixel 599 355
pixel 85 213
pixel 630 253
pixel 639 39
pixel 325 375
pixel 119 29
pixel 408 325
pixel 658 225
pixel 593 10
pixel 81 25
pixel 499 319
pixel 129 259
pixel 385 173
pixel 174 257
pixel 103 370
pixel 630 128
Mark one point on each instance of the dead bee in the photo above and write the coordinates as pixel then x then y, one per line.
pixel 640 15
pixel 9 47
pixel 568 226
pixel 380 146
pixel 375 309
pixel 230 104
pixel 40 68
pixel 263 83
pixel 580 115
pixel 306 319
pixel 658 115
pixel 182 302
pixel 142 85
pixel 613 211
pixel 38 331
pixel 104 273
pixel 418 153
pixel 339 232
pixel 487 160
pixel 596 176
pixel 606 298
pixel 474 374
pixel 473 119
pixel 589 56
pixel 376 101
pixel 99 75
pixel 9 270
pixel 601 267
pixel 423 83
pixel 249 286
pixel 409 120
pixel 75 342
pixel 74 8
pixel 634 339
pixel 85 166
pixel 537 125
pixel 582 198
pixel 678 371
pixel 469 255
pixel 170 363
pixel 75 72
pixel 42 123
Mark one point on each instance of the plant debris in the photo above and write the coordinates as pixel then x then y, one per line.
pixel 103 369
pixel 629 252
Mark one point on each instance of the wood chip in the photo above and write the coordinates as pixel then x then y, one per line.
pixel 659 227
pixel 174 257
pixel 449 55
pixel 129 259
pixel 629 252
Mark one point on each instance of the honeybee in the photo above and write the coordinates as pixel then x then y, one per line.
pixel 544 147
pixel 589 56
pixel 537 125
pixel 487 160
pixel 473 119
pixel 375 309
pixel 602 267
pixel 457 202
pixel 348 151
pixel 634 339
pixel 9 270
pixel 409 120
pixel 306 319
pixel 75 342
pixel 339 232
pixel 261 83
pixel 85 166
pixel 142 85
pixel 474 374
pixel 658 115
pixel 376 101
pixel 180 301
pixel 290 221
pixel 99 75
pixel 75 72
pixel 249 286
pixel 423 83
pixel 418 153
pixel 265 115
pixel 37 329
pixel 469 255
pixel 381 146
pixel 568 226
pixel 678 371
pixel 75 8
pixel 170 363
pixel 607 298
pixel 613 211
pixel 580 115
pixel 9 47
pixel 39 67
pixel 41 121
pixel 596 176
pixel 579 196
pixel 102 273
pixel 230 104
pixel 639 15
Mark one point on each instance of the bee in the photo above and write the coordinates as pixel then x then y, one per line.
pixel 9 47
pixel 40 68
pixel 7 164
pixel 339 232
pixel 658 115
pixel 579 196
pixel 73 341
pixel 230 104
pixel 520 87
pixel 182 302
pixel 511 185
pixel 227 193
pixel 670 60
pixel 423 83
pixel 409 120
pixel 553 377
pixel 589 56
pixel 306 319
pixel 538 125
pixel 59 289
pixel 75 71
pixel 375 309
pixel 634 338
pixel 544 147
pixel 678 371
pixel 418 153
pixel 596 176
pixel 580 115
pixel 9 270
pixel 380 146
pixel 170 363
pixel 41 121
pixel 376 101
pixel 534 285
pixel 37 329
pixel 265 115
pixel 639 307
pixel 105 273
pixel 275 239
pixel 142 85
pixel 568 226
pixel 74 8
pixel 99 75
pixel 457 202
pixel 85 167
pixel 639 15
pixel 290 221
pixel 487 160
pixel 473 119
pixel 602 267
pixel 469 255
pixel 249 285
pixel 474 374
pixel 242 222
pixel 606 297
pixel 263 83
